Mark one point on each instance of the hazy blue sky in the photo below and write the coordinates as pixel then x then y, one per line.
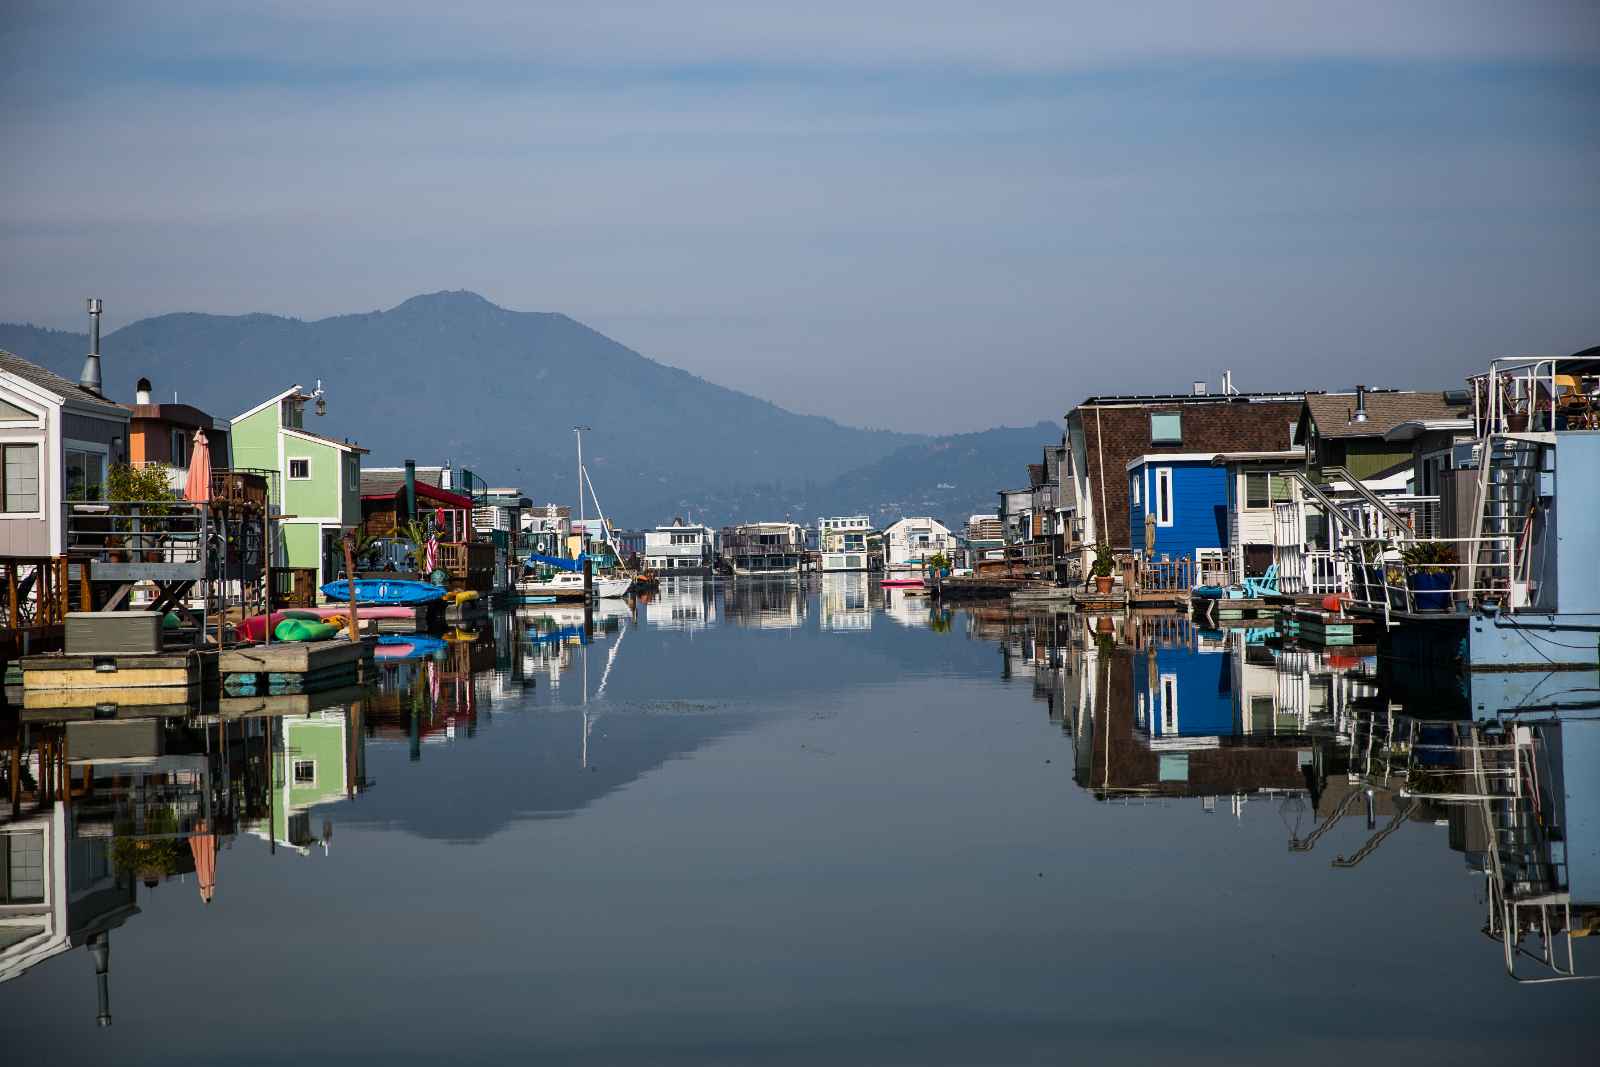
pixel 927 215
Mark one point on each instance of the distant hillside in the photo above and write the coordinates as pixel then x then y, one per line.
pixel 450 376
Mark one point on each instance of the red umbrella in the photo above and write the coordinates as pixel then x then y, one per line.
pixel 197 486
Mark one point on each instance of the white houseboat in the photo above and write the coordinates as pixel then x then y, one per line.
pixel 844 543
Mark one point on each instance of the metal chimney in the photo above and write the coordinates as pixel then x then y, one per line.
pixel 90 378
pixel 1361 405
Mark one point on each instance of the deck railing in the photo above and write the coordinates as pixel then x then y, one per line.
pixel 139 540
pixel 1382 579
pixel 1536 395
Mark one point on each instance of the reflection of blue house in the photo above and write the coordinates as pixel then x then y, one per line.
pixel 1182 692
pixel 1188 497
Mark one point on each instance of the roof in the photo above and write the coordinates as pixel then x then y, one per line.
pixel 386 486
pixel 297 431
pixel 1386 409
pixel 1142 399
pixel 53 383
pixel 1035 475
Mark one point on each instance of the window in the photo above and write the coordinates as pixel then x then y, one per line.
pixel 1163 496
pixel 1169 704
pixel 21 490
pixel 180 448
pixel 85 475
pixel 22 868
pixel 305 772
pixel 1166 428
pixel 352 475
pixel 1262 490
pixel 9 412
pixel 1136 487
pixel 299 469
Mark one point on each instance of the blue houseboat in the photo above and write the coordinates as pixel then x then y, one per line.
pixel 1187 497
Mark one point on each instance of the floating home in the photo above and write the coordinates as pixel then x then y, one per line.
pixel 844 543
pixel 681 550
pixel 910 543
pixel 762 549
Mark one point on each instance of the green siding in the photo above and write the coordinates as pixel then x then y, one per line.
pixel 255 440
pixel 1364 460
pixel 302 544
pixel 317 497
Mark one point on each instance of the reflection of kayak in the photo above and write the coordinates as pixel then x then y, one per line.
pixel 384 591
pixel 556 636
pixel 410 646
pixel 901 583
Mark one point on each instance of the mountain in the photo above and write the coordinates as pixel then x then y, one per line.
pixel 450 376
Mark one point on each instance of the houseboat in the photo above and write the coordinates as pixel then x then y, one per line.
pixel 844 543
pixel 909 544
pixel 763 549
pixel 679 550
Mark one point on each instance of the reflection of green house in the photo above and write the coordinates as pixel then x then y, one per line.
pixel 318 483
pixel 312 765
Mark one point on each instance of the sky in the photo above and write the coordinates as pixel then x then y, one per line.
pixel 930 216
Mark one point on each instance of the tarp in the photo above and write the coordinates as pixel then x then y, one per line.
pixel 557 562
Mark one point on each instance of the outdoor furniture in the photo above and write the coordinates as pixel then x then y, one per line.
pixel 1266 585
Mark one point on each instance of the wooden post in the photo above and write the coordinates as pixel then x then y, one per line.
pixel 85 597
pixel 350 580
pixel 11 586
pixel 266 570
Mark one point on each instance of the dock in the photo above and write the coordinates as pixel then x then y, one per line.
pixel 294 666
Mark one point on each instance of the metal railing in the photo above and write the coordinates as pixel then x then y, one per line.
pixel 1536 396
pixel 139 540
pixel 1381 578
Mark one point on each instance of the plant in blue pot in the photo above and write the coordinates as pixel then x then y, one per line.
pixel 1430 574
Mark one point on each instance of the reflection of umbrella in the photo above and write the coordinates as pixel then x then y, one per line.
pixel 197 486
pixel 204 847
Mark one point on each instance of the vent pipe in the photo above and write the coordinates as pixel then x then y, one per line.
pixel 90 378
pixel 141 392
pixel 1361 405
pixel 411 489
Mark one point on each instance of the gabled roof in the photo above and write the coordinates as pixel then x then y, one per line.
pixel 387 486
pixel 1386 409
pixel 56 385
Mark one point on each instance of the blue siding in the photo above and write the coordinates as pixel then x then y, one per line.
pixel 1199 507
pixel 1203 685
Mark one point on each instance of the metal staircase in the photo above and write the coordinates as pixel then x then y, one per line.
pixel 1507 498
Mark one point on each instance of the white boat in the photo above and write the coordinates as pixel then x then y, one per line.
pixel 569 586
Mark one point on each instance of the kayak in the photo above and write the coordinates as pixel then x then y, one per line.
pixel 303 630
pixel 254 628
pixel 384 591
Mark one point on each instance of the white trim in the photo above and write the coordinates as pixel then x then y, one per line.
pixel 1163 500
pixel 39 440
pixel 302 435
pixel 71 444
pixel 288 469
pixel 1171 457
pixel 1168 688
pixel 293 389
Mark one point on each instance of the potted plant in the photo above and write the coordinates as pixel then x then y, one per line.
pixel 149 488
pixel 1104 564
pixel 1429 574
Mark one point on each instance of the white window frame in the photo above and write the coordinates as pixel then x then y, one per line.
pixel 1138 495
pixel 38 446
pixel 289 463
pixel 294 773
pixel 1162 496
pixel 1169 705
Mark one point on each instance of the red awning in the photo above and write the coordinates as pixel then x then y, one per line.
pixel 440 497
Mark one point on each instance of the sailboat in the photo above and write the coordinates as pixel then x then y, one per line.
pixel 565 580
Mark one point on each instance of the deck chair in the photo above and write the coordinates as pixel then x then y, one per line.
pixel 1266 585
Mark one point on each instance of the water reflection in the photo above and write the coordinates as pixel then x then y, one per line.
pixel 584 724
pixel 1159 709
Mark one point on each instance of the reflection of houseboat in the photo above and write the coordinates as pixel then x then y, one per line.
pixel 845 602
pixel 844 543
pixel 759 549
pixel 681 605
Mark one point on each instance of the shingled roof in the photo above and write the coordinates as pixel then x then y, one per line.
pixel 1386 409
pixel 53 383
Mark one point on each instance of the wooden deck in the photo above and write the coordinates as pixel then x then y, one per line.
pixel 294 667
pixel 58 672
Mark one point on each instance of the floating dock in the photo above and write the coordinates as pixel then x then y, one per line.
pixel 294 667
pixel 59 680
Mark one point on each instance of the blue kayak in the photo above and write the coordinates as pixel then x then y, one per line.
pixel 384 591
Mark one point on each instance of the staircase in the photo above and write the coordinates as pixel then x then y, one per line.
pixel 1508 493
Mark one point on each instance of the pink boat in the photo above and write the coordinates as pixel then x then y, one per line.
pixel 901 583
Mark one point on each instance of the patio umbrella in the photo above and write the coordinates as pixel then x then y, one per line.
pixel 432 555
pixel 204 847
pixel 197 486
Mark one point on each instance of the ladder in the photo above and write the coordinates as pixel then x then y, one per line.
pixel 1507 495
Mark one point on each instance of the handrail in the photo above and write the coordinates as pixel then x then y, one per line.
pixel 1328 505
pixel 1395 519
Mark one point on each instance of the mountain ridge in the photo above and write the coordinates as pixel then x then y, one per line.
pixel 452 376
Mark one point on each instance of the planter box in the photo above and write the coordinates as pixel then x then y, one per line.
pixel 1431 592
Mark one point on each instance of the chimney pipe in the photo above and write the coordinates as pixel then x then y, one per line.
pixel 141 392
pixel 1361 404
pixel 90 378
pixel 411 488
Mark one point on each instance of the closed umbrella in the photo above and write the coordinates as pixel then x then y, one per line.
pixel 197 486
pixel 204 846
pixel 431 554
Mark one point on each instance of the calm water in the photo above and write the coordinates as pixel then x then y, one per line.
pixel 775 824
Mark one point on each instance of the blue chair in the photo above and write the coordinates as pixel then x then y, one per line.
pixel 1266 585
